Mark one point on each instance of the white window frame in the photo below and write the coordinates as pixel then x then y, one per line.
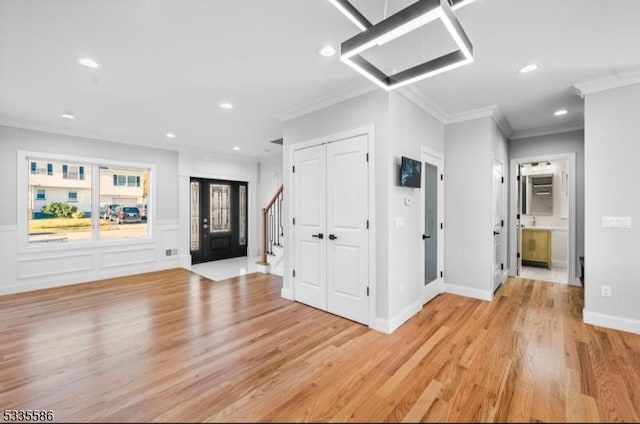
pixel 24 159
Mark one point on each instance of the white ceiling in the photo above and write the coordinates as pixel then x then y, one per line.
pixel 167 64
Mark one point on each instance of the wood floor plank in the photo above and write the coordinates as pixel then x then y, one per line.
pixel 173 346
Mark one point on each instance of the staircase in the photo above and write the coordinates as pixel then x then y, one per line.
pixel 272 249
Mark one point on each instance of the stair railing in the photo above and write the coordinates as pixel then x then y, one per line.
pixel 272 226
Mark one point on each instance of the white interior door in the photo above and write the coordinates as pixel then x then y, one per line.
pixel 310 214
pixel 498 223
pixel 432 207
pixel 347 239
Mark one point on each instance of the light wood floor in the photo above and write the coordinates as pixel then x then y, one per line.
pixel 172 346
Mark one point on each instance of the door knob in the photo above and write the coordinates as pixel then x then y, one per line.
pixel 332 237
pixel 424 237
pixel 319 235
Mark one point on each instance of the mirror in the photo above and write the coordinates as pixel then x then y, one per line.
pixel 537 194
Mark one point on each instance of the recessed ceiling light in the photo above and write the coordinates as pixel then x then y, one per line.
pixel 327 51
pixel 89 63
pixel 529 68
pixel 226 105
pixel 561 112
pixel 171 135
pixel 236 148
pixel 68 115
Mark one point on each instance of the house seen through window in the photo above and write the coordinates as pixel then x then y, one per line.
pixel 60 207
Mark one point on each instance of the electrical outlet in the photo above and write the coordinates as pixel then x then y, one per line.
pixel 605 291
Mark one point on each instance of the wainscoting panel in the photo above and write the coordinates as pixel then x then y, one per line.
pixel 34 269
pixel 41 266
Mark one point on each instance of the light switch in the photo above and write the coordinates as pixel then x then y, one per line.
pixel 615 222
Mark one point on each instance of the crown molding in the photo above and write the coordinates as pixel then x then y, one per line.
pixel 607 83
pixel 494 112
pixel 417 97
pixel 326 101
pixel 470 115
pixel 502 122
pixel 555 129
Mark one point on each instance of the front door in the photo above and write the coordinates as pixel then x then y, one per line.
pixel 218 219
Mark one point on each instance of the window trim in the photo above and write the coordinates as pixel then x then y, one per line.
pixel 24 158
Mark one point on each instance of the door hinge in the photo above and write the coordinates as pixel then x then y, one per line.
pixel 518 216
pixel 367 157
pixel 518 178
pixel 367 290
pixel 293 169
pixel 441 177
pixel 502 180
pixel 294 272
pixel 502 267
pixel 367 224
pixel 518 256
pixel 294 221
pixel 442 225
pixel 502 222
pixel 441 274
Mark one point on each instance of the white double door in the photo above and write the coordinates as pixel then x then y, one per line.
pixel 331 228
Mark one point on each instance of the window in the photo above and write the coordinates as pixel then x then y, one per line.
pixel 41 168
pixel 72 172
pixel 60 210
pixel 126 180
pixel 124 192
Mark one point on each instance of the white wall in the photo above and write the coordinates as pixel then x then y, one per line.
pixel 409 128
pixel 554 144
pixel 362 111
pixel 470 147
pixel 29 268
pixel 612 151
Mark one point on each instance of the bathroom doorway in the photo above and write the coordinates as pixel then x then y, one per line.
pixel 543 212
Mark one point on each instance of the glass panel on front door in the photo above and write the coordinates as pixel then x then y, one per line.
pixel 220 208
pixel 243 215
pixel 195 215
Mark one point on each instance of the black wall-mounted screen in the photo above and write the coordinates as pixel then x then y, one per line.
pixel 410 171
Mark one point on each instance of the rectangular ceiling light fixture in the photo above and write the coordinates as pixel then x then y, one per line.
pixel 352 13
pixel 409 19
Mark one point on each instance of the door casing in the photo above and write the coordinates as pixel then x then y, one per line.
pixel 513 210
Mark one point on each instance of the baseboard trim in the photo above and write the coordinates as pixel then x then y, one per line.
pixel 389 326
pixel 285 293
pixel 468 292
pixel 611 321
